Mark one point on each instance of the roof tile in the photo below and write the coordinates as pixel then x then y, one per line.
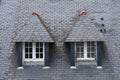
pixel 34 31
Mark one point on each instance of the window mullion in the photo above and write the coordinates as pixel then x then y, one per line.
pixel 85 50
pixel 33 53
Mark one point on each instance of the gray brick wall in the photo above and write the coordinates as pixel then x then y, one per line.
pixel 59 15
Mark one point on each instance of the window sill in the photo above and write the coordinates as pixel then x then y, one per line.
pixel 32 60
pixel 46 67
pixel 73 67
pixel 33 63
pixel 86 62
pixel 87 59
pixel 20 68
pixel 99 67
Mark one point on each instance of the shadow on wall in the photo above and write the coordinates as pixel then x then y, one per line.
pixel 105 53
pixel 52 51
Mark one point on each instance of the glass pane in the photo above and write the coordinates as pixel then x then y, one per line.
pixel 26 44
pixel 41 55
pixel 41 44
pixel 37 55
pixel 77 55
pixel 26 55
pixel 82 49
pixel 37 49
pixel 77 44
pixel 30 44
pixel 78 49
pixel 37 44
pixel 88 55
pixel 41 49
pixel 82 44
pixel 93 55
pixel 30 49
pixel 88 43
pixel 30 55
pixel 88 49
pixel 26 49
pixel 93 49
pixel 92 44
pixel 82 55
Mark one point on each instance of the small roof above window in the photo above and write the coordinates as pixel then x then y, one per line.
pixel 33 31
pixel 84 30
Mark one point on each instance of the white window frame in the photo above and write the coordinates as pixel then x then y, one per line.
pixel 85 51
pixel 33 53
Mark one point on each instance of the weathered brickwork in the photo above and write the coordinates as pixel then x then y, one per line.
pixel 60 18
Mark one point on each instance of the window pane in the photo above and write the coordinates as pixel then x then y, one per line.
pixel 26 55
pixel 88 43
pixel 93 55
pixel 77 55
pixel 88 49
pixel 82 44
pixel 92 44
pixel 30 49
pixel 82 49
pixel 37 49
pixel 93 49
pixel 30 44
pixel 41 55
pixel 88 55
pixel 41 49
pixel 78 49
pixel 82 55
pixel 37 44
pixel 77 44
pixel 26 49
pixel 26 44
pixel 30 55
pixel 41 44
pixel 37 55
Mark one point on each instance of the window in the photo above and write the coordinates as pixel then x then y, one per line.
pixel 33 51
pixel 85 50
